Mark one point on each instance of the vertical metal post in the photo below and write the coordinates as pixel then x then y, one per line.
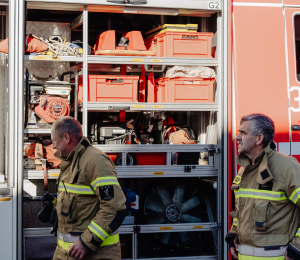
pixel 11 122
pixel 135 256
pixel 168 158
pixel 188 118
pixel 124 159
pixel 222 84
pixel 19 86
pixel 203 24
pixel 85 70
pixel 11 93
pixel 224 55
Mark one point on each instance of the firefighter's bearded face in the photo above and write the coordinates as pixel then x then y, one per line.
pixel 247 142
pixel 60 144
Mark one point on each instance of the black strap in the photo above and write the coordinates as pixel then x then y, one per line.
pixel 85 143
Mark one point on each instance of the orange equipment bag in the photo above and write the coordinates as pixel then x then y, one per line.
pixel 4 46
pixel 32 45
pixel 35 45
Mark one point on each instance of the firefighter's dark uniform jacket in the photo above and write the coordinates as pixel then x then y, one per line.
pixel 90 204
pixel 266 219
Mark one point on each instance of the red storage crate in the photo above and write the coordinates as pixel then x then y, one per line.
pixel 182 90
pixel 110 88
pixel 150 158
pixel 181 44
pixel 145 158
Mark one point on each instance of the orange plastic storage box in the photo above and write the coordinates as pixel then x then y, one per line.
pixel 110 88
pixel 181 44
pixel 181 90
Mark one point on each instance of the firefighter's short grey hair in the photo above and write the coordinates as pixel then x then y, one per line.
pixel 67 125
pixel 261 124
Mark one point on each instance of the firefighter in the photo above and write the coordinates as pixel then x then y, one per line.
pixel 266 218
pixel 90 204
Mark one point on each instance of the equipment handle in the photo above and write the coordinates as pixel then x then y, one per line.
pixel 154 68
pixel 295 127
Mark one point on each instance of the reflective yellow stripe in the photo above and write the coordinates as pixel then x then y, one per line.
pixel 249 257
pixel 64 245
pixel 98 231
pixel 260 194
pixel 298 233
pixel 236 193
pixel 295 196
pixel 102 181
pixel 72 188
pixel 109 241
pixel 234 223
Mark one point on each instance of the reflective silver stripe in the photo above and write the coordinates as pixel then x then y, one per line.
pixel 98 231
pixel 262 195
pixel 116 232
pixel 67 237
pixel 258 251
pixel 295 196
pixel 102 182
pixel 76 189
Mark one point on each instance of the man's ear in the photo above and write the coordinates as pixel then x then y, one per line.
pixel 67 138
pixel 259 139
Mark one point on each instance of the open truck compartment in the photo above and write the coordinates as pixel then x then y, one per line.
pixel 145 83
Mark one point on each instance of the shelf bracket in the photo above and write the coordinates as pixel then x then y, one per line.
pixel 137 229
pixel 218 226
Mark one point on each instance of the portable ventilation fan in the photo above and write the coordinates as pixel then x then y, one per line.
pixel 170 202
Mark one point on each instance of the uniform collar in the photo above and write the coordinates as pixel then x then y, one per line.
pixel 79 149
pixel 264 174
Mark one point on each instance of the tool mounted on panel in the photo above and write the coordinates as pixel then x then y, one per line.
pixel 48 100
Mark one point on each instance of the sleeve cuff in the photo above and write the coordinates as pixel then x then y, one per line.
pixel 87 240
pixel 84 244
pixel 293 253
pixel 230 236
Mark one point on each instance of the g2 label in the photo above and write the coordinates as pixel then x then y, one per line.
pixel 214 5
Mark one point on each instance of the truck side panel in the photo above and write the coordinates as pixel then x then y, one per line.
pixel 259 65
pixel 293 25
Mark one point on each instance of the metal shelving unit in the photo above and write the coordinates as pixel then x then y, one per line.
pixel 149 171
pixel 214 169
pixel 204 7
pixel 104 106
pixel 37 131
pixel 50 58
pixel 136 60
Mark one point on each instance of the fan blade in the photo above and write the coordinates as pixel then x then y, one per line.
pixel 190 204
pixel 190 219
pixel 155 206
pixel 178 194
pixel 157 220
pixel 184 237
pixel 164 194
pixel 165 238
